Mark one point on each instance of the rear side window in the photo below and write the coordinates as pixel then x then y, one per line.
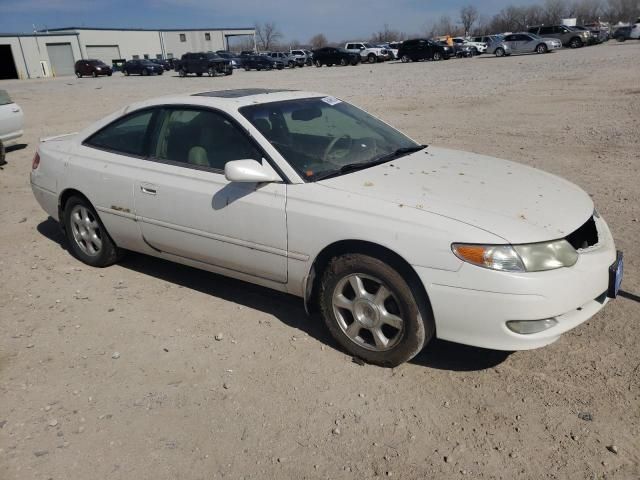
pixel 126 135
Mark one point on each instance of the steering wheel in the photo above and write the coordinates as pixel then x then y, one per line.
pixel 332 144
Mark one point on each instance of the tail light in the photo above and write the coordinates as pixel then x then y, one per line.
pixel 36 161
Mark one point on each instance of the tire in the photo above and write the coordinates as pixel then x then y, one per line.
pixel 621 38
pixel 291 65
pixel 211 72
pixel 109 74
pixel 542 48
pixel 81 223
pixel 576 43
pixel 343 62
pixel 437 56
pixel 499 52
pixel 329 64
pixel 405 59
pixel 94 74
pixel 371 58
pixel 396 344
pixel 182 72
pixel 230 72
pixel 199 74
pixel 78 74
pixel 126 73
pixel 247 69
pixel 317 63
pixel 145 72
pixel 3 154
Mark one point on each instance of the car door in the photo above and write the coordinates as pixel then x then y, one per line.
pixel 187 208
pixel 510 40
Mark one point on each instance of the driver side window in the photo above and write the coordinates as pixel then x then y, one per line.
pixel 200 138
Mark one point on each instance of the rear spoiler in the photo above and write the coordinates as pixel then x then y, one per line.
pixel 57 137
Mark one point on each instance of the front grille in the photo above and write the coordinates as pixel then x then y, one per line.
pixel 584 237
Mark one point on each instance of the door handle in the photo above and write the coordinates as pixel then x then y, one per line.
pixel 148 189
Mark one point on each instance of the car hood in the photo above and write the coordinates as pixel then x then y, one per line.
pixel 518 203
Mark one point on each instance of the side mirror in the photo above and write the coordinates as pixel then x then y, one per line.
pixel 250 171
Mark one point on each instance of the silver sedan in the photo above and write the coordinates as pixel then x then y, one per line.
pixel 530 43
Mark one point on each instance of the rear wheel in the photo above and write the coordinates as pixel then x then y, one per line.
pixel 437 56
pixel 145 72
pixel 126 72
pixel 499 52
pixel 371 310
pixel 542 48
pixel 182 72
pixel 78 74
pixel 211 72
pixel 343 62
pixel 94 74
pixel 199 74
pixel 372 58
pixel 405 59
pixel 317 63
pixel 88 239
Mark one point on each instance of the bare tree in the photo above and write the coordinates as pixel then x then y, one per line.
pixel 444 26
pixel 318 41
pixel 554 11
pixel 267 35
pixel 387 35
pixel 468 16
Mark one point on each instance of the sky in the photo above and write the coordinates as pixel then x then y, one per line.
pixel 298 20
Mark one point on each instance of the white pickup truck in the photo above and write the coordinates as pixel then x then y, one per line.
pixel 368 53
pixel 11 123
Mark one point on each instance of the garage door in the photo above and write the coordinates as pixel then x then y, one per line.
pixel 106 53
pixel 61 58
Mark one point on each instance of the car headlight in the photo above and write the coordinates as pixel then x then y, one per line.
pixel 98 68
pixel 533 257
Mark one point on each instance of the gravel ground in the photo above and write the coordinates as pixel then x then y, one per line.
pixel 117 373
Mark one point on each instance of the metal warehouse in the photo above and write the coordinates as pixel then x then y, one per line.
pixel 54 52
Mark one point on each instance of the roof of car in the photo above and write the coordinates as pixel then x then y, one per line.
pixel 240 92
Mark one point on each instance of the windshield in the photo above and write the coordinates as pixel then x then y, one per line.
pixel 97 63
pixel 367 45
pixel 319 136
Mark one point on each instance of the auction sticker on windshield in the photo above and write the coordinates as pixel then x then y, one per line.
pixel 331 100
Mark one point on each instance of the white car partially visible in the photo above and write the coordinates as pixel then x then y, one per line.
pixel 394 241
pixel 11 123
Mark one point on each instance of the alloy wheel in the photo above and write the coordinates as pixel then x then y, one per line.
pixel 367 312
pixel 86 230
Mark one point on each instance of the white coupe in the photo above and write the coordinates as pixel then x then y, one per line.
pixel 11 123
pixel 394 242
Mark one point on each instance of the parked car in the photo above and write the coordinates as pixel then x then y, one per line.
pixel 567 36
pixel 460 49
pixel 622 34
pixel 203 62
pixel 600 30
pixel 424 49
pixel 477 47
pixel 530 43
pixel 11 123
pixel 368 52
pixel 288 60
pixel 394 47
pixel 302 55
pixel 142 67
pixel 92 68
pixel 236 60
pixel 498 47
pixel 387 53
pixel 330 56
pixel 163 63
pixel 315 197
pixel 593 38
pixel 261 62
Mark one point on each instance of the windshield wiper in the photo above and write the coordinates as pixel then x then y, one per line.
pixel 352 167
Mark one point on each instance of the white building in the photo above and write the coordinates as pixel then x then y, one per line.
pixel 55 51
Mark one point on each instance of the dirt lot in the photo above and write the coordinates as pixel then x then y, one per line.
pixel 275 398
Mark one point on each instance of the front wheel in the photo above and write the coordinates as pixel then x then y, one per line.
pixel 372 58
pixel 437 56
pixel 78 74
pixel 499 52
pixel 317 63
pixel 405 59
pixel 575 43
pixel 542 48
pixel 145 72
pixel 182 72
pixel 94 74
pixel 211 72
pixel 199 74
pixel 343 62
pixel 88 239
pixel 126 73
pixel 372 312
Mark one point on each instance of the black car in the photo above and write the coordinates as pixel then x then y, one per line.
pixel 142 67
pixel 210 63
pixel 163 63
pixel 334 56
pixel 424 49
pixel 260 62
pixel 236 61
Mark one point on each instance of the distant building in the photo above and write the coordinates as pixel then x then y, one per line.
pixel 54 52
